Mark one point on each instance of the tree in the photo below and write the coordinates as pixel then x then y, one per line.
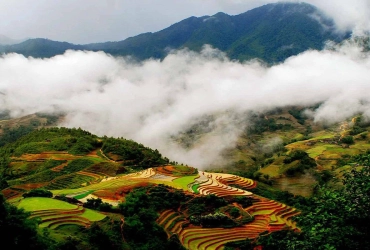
pixel 39 192
pixel 337 219
pixel 348 139
pixel 17 231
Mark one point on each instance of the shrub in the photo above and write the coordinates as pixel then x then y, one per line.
pixel 347 139
pixel 234 212
pixel 38 193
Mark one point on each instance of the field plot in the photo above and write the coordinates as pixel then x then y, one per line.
pixel 213 185
pixel 54 213
pixel 269 216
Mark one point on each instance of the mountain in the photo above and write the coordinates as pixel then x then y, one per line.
pixel 40 47
pixel 119 177
pixel 116 192
pixel 272 32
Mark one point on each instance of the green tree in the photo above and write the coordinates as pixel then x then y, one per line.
pixel 19 232
pixel 337 219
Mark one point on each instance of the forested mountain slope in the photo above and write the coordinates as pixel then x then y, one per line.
pixel 272 33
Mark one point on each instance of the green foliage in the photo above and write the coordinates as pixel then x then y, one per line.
pixel 324 176
pixel 50 139
pixel 140 211
pixel 295 155
pixel 243 200
pixel 12 134
pixel 240 245
pixel 234 212
pixel 305 162
pixel 98 204
pixel 347 139
pixel 285 197
pixel 158 197
pixel 80 146
pixel 212 220
pixel 337 219
pixel 38 193
pixel 205 204
pixel 262 124
pixel 69 181
pixel 133 154
pixel 44 176
pixel 361 159
pixel 100 238
pixel 267 162
pixel 77 165
pixel 71 200
pixel 83 145
pixel 359 126
pixel 356 130
pixel 3 183
pixel 298 114
pixel 17 231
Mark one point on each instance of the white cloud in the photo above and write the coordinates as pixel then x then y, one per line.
pixel 154 100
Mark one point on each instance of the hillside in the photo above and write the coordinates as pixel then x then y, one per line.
pixel 208 153
pixel 271 33
pixel 71 180
pixel 110 175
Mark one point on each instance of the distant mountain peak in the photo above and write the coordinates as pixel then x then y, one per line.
pixel 272 32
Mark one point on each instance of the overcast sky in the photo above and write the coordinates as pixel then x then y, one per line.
pixel 86 21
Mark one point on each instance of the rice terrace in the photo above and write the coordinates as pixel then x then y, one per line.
pixel 70 180
pixel 87 186
pixel 226 125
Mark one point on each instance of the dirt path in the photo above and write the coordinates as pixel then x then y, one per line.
pixel 105 157
pixel 60 167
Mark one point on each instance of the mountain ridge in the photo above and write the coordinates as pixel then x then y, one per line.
pixel 272 32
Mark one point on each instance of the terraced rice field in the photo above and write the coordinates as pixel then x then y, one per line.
pixel 176 170
pixel 70 181
pixel 54 213
pixel 268 215
pixel 212 184
pixel 205 183
pixel 233 179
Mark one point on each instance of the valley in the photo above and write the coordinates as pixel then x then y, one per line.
pixel 89 178
pixel 241 131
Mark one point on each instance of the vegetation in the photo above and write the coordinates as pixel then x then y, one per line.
pixel 132 153
pixel 347 139
pixel 214 210
pixel 140 211
pixel 212 220
pixel 12 134
pixel 98 204
pixel 38 193
pixel 17 231
pixel 261 124
pixel 336 219
pixel 303 162
pixel 298 114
